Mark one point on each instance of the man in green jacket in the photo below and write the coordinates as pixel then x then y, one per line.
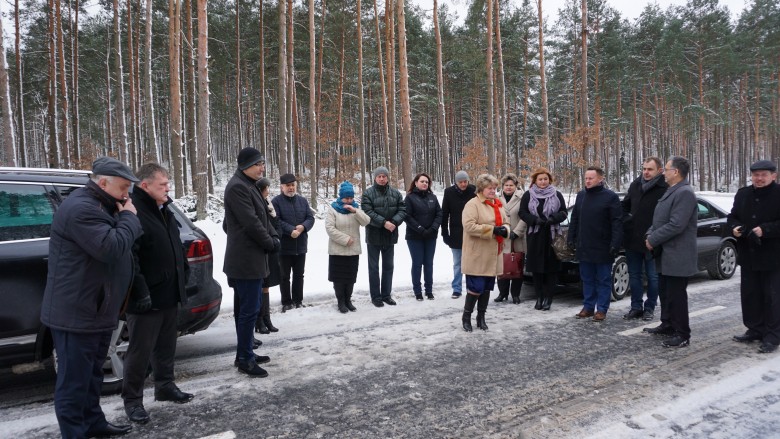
pixel 385 206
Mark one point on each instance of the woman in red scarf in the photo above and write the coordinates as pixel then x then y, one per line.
pixel 485 226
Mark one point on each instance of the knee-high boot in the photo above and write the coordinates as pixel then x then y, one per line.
pixel 266 312
pixel 549 290
pixel 482 304
pixel 539 289
pixel 471 300
pixel 260 325
pixel 348 297
pixel 339 288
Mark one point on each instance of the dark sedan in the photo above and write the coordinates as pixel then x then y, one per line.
pixel 28 200
pixel 715 243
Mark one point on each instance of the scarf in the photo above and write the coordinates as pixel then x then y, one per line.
pixel 338 206
pixel 495 203
pixel 551 205
pixel 649 184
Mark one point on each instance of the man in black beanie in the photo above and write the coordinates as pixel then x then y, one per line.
pixel 755 222
pixel 385 206
pixel 246 261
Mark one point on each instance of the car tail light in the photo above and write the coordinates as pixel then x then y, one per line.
pixel 206 307
pixel 199 251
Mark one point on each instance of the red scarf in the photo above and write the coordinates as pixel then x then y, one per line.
pixel 496 204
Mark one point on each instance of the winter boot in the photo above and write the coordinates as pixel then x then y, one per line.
pixel 547 302
pixel 266 312
pixel 471 300
pixel 503 290
pixel 517 285
pixel 260 325
pixel 482 304
pixel 539 290
pixel 348 297
pixel 339 287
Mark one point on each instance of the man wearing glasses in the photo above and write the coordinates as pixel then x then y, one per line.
pixel 755 221
pixel 672 240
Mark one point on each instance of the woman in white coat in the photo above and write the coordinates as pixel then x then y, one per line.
pixel 342 223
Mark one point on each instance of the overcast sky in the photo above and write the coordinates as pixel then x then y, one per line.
pixel 628 8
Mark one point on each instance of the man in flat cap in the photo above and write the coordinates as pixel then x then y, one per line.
pixel 90 269
pixel 294 219
pixel 246 262
pixel 755 222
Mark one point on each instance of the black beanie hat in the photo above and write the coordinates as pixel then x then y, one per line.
pixel 248 157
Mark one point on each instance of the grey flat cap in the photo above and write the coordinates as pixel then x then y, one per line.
pixel 113 167
pixel 763 165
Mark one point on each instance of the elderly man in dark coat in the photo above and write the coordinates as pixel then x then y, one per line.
pixel 638 206
pixel 455 198
pixel 90 270
pixel 596 231
pixel 246 262
pixel 294 220
pixel 672 239
pixel 755 221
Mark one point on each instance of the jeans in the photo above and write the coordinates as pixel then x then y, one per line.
pixel 295 264
pixel 80 359
pixel 457 275
pixel 638 262
pixel 387 251
pixel 422 251
pixel 596 285
pixel 249 296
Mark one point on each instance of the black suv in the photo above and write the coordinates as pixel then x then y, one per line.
pixel 28 199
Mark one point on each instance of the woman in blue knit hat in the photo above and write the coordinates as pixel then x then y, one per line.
pixel 342 223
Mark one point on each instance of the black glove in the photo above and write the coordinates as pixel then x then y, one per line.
pixel 541 222
pixel 755 239
pixel 500 231
pixel 614 252
pixel 277 245
pixel 512 235
pixel 144 304
pixel 446 239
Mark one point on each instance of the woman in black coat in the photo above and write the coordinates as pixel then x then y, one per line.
pixel 543 209
pixel 423 218
pixel 264 325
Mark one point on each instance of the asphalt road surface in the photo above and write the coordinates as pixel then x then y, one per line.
pixel 410 372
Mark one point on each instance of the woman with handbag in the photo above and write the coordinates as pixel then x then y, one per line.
pixel 514 247
pixel 485 227
pixel 423 218
pixel 342 223
pixel 542 208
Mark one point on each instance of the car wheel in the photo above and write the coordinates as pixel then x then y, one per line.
pixel 725 263
pixel 620 283
pixel 114 366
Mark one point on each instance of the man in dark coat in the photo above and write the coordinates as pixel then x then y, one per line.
pixel 158 288
pixel 638 206
pixel 596 231
pixel 385 206
pixel 672 239
pixel 455 198
pixel 90 270
pixel 246 261
pixel 755 221
pixel 294 220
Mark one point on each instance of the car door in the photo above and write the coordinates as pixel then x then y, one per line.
pixel 26 211
pixel 709 231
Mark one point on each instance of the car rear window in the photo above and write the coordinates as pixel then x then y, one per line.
pixel 26 212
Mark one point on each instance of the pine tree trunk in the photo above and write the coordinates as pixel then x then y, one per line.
pixel 362 110
pixel 131 75
pixel 491 149
pixel 238 76
pixel 174 47
pixel 284 167
pixel 200 179
pixel 9 141
pixel 312 109
pixel 22 151
pixel 319 85
pixel 120 94
pixel 340 100
pixel 151 132
pixel 385 132
pixel 291 149
pixel 543 86
pixel 65 141
pixel 503 125
pixel 263 134
pixel 390 55
pixel 75 83
pixel 444 142
pixel 403 88
pixel 52 117
pixel 109 112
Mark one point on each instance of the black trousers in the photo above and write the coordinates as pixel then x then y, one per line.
pixel 296 265
pixel 544 284
pixel 80 359
pixel 673 291
pixel 152 338
pixel 513 286
pixel 760 296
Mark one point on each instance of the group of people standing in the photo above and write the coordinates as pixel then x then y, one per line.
pixel 105 240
